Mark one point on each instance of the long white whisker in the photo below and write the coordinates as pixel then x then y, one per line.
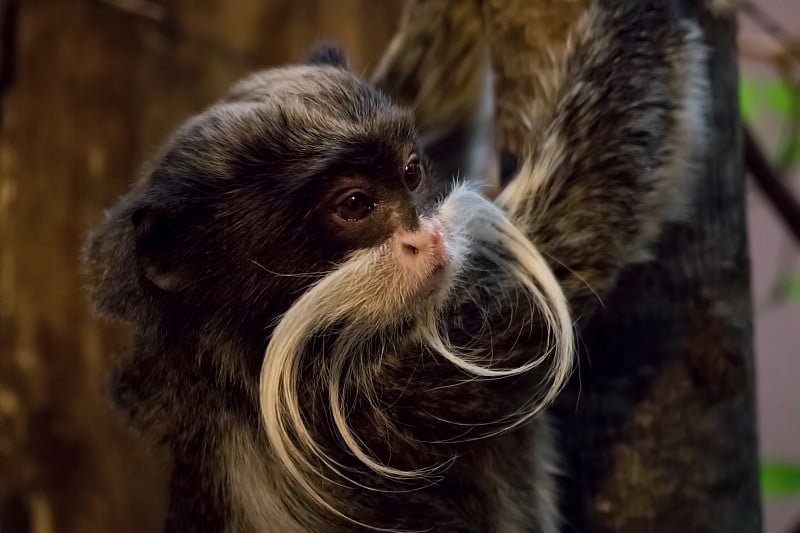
pixel 500 263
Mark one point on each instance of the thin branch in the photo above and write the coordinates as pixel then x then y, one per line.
pixel 773 188
pixel 764 51
pixel 769 25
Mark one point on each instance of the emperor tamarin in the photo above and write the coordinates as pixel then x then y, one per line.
pixel 326 341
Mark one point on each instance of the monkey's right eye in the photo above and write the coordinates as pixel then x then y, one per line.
pixel 355 206
pixel 412 174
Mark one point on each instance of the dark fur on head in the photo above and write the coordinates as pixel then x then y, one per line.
pixel 328 53
pixel 281 355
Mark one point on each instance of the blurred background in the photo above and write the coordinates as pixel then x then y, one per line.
pixel 769 48
pixel 88 88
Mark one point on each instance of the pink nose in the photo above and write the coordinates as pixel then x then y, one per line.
pixel 426 241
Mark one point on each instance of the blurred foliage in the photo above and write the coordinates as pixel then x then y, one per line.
pixel 749 98
pixel 778 95
pixel 781 98
pixel 780 478
pixel 791 287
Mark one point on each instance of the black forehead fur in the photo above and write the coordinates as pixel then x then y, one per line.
pixel 327 53
pixel 294 122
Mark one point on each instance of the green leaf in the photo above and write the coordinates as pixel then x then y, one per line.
pixel 749 98
pixel 781 97
pixel 790 287
pixel 789 153
pixel 780 478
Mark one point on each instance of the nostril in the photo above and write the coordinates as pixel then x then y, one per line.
pixel 425 241
pixel 410 249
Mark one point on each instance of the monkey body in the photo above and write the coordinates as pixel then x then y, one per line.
pixel 327 343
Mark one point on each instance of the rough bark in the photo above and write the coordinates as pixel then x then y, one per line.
pixel 658 424
pixel 97 84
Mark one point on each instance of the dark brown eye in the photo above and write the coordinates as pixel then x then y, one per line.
pixel 412 174
pixel 355 206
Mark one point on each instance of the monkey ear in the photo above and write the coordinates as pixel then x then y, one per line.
pixel 109 263
pixel 327 53
pixel 158 243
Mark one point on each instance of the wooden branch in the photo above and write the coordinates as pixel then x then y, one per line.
pixel 778 194
pixel 767 52
pixel 789 42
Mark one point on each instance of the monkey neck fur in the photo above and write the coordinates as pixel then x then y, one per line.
pixel 226 478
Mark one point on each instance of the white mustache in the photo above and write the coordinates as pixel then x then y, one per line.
pixel 366 296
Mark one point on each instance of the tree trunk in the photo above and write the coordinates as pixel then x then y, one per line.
pixel 658 425
pixel 89 88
